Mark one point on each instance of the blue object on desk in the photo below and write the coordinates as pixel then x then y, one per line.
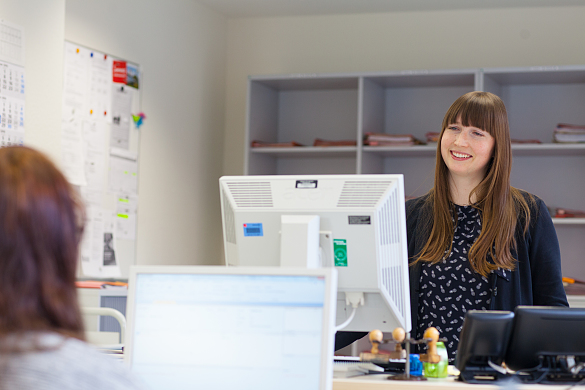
pixel 416 367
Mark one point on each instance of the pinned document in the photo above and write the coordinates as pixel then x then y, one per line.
pixel 123 171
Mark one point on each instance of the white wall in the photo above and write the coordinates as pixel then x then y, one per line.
pixel 392 41
pixel 181 46
pixel 43 24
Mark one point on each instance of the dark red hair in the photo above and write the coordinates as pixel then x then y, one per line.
pixel 41 221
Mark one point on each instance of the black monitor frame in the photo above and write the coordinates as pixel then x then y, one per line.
pixel 483 340
pixel 545 342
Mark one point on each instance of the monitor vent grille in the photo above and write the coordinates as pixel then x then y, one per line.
pixel 362 193
pixel 251 194
pixel 229 220
pixel 393 266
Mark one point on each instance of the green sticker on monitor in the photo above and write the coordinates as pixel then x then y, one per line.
pixel 340 252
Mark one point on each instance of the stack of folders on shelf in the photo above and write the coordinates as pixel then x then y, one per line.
pixel 432 136
pixel 262 144
pixel 343 142
pixel 525 141
pixel 566 213
pixel 566 133
pixel 385 139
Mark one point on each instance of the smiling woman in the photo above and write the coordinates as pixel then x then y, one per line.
pixel 475 242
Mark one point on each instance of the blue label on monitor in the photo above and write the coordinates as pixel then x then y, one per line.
pixel 253 230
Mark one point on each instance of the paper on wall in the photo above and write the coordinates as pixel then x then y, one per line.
pixel 75 79
pixel 123 172
pixel 91 196
pixel 121 116
pixel 126 209
pixel 92 242
pixel 110 267
pixel 99 86
pixel 94 139
pixel 72 158
pixel 98 255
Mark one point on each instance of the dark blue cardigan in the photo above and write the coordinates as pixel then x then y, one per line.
pixel 537 278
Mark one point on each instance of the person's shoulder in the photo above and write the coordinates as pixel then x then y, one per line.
pixel 415 210
pixel 56 362
pixel 537 209
pixel 533 201
pixel 83 363
pixel 416 203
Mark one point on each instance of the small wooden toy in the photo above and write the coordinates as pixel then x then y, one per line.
pixel 431 336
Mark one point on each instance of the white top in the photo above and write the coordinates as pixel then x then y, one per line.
pixel 56 362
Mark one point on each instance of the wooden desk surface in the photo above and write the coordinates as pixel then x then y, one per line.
pixel 379 382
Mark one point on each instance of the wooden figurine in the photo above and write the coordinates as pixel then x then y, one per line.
pixel 431 336
pixel 377 338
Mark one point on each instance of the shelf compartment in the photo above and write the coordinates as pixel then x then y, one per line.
pixel 411 102
pixel 538 98
pixel 299 108
pixel 307 151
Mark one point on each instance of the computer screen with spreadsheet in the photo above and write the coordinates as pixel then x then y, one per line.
pixel 224 327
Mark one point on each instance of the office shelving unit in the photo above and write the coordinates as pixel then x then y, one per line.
pixel 345 106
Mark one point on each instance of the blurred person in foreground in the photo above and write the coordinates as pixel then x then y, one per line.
pixel 41 330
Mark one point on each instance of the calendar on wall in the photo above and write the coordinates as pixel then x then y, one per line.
pixel 12 84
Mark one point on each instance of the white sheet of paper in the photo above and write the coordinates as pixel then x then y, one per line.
pixel 98 245
pixel 92 244
pixel 110 267
pixel 91 196
pixel 121 115
pixel 126 226
pixel 123 171
pixel 72 159
pixel 75 78
pixel 99 86
pixel 94 138
pixel 126 209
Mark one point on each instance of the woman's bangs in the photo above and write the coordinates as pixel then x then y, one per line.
pixel 472 113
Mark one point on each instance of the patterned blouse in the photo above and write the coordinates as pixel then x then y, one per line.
pixel 449 288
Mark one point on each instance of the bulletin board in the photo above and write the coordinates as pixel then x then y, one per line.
pixel 101 124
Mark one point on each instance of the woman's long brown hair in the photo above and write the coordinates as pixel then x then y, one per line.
pixel 40 228
pixel 498 202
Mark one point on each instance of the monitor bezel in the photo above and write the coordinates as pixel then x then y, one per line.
pixel 485 335
pixel 544 331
